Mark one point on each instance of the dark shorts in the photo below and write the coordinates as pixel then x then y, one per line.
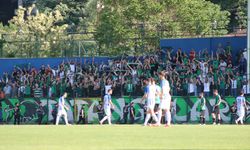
pixel 216 110
pixel 202 113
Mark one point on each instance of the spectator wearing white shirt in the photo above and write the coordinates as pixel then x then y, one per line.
pixel 134 75
pixel 246 88
pixel 223 65
pixel 108 86
pixel 191 87
pixel 233 83
pixel 206 85
pixel 72 66
pixel 7 90
pixel 204 67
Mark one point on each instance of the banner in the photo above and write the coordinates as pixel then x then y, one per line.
pixel 187 109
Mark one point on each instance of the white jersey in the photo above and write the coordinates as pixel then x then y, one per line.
pixel 72 67
pixel 166 97
pixel 165 87
pixel 61 104
pixel 152 92
pixel 240 100
pixel 106 103
pixel 206 86
pixel 246 89
pixel 233 84
pixel 107 99
pixel 107 87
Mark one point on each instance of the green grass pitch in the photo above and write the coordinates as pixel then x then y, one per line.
pixel 124 137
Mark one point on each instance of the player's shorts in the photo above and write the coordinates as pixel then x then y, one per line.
pixel 62 113
pixel 241 113
pixel 150 104
pixel 216 110
pixel 202 113
pixel 107 111
pixel 165 102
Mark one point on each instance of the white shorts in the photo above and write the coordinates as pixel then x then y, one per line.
pixel 150 104
pixel 61 113
pixel 165 102
pixel 241 113
pixel 107 111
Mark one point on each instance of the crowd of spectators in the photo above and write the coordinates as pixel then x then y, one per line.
pixel 188 74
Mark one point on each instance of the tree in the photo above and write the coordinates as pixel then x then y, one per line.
pixel 124 24
pixel 237 9
pixel 40 31
pixel 74 12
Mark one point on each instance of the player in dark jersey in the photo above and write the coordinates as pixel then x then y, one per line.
pixel 216 108
pixel 202 108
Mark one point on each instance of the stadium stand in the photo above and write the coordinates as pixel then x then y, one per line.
pixel 188 74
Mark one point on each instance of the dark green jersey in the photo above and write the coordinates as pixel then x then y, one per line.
pixel 216 64
pixel 222 84
pixel 203 103
pixel 217 99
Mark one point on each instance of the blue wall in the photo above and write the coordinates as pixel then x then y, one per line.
pixel 238 43
pixel 7 65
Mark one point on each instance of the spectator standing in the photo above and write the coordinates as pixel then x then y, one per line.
pixel 220 51
pixel 37 92
pixel 206 85
pixel 17 114
pixel 82 118
pixel 14 90
pixel 223 65
pixel 7 90
pixel 233 87
pixel 21 90
pixel 191 88
pixel 40 113
pixel 54 113
pixel 246 88
pixel 222 86
pixel 243 64
pixel 99 108
pixel 192 54
pixel 108 86
pixel 132 113
pixel 173 111
pixel 233 110
pixel 125 113
pixel 2 96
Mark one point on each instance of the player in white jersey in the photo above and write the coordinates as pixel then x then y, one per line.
pixel 150 93
pixel 61 110
pixel 107 105
pixel 165 100
pixel 241 106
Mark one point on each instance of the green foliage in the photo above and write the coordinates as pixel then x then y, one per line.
pixel 41 30
pixel 149 20
pixel 120 26
pixel 74 12
pixel 238 10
